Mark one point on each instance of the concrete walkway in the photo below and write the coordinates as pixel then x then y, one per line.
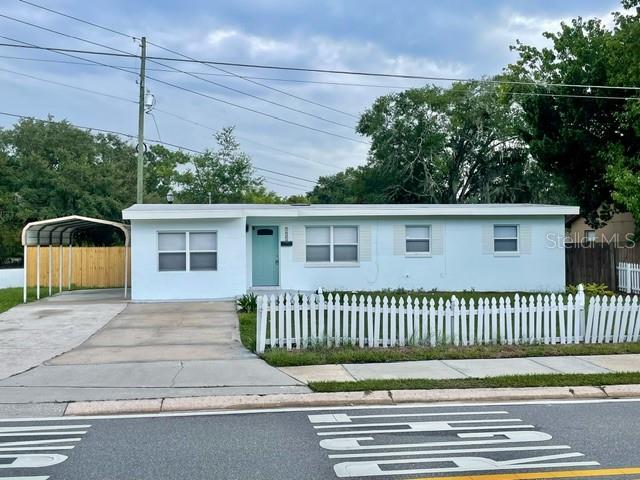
pixel 477 368
pixel 35 332
pixel 153 350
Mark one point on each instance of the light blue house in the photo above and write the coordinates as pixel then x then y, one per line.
pixel 223 250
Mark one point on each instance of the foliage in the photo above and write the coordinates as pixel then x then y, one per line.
pixel 248 330
pixel 248 302
pixel 226 174
pixel 443 145
pixel 51 169
pixel 591 143
pixel 505 381
pixel 592 289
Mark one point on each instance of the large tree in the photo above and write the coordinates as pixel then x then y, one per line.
pixel 569 129
pixel 453 145
pixel 51 169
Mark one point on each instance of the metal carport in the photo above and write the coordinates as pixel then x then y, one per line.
pixel 60 232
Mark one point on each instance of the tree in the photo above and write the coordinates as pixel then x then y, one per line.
pixel 226 174
pixel 578 138
pixel 450 145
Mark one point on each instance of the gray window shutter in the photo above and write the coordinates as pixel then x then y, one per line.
pixel 525 239
pixel 437 240
pixel 487 239
pixel 299 243
pixel 364 241
pixel 399 237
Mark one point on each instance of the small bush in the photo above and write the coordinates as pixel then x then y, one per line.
pixel 248 302
pixel 591 289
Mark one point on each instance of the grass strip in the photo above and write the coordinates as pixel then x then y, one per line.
pixel 349 354
pixel 506 381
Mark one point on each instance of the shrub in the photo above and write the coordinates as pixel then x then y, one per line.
pixel 248 302
pixel 591 289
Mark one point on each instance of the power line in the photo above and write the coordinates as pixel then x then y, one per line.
pixel 165 112
pixel 270 79
pixel 77 19
pixel 210 97
pixel 150 140
pixel 344 72
pixel 74 87
pixel 235 90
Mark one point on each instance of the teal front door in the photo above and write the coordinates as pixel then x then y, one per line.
pixel 265 258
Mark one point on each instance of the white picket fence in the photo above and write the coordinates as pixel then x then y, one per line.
pixel 628 277
pixel 301 321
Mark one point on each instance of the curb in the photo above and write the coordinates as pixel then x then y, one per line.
pixel 383 398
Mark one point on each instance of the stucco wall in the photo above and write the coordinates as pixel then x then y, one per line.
pixel 147 283
pixel 461 264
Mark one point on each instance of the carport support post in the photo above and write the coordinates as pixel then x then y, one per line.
pixel 38 272
pixel 24 273
pixel 50 266
pixel 126 267
pixel 70 259
pixel 60 268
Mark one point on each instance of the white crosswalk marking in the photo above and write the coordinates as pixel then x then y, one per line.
pixel 25 447
pixel 448 445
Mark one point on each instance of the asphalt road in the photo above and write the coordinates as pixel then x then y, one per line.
pixel 588 439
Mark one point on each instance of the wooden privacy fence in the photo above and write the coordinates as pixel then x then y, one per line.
pixel 89 266
pixel 301 321
pixel 628 277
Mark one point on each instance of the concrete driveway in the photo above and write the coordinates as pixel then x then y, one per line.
pixel 35 332
pixel 154 350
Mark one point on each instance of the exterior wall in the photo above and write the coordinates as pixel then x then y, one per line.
pixel 616 230
pixel 149 284
pixel 463 262
pixel 11 277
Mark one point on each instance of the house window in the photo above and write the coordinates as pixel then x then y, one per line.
pixel 418 239
pixel 505 238
pixel 332 244
pixel 590 235
pixel 203 251
pixel 187 251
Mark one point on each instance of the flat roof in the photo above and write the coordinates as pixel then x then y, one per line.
pixel 162 211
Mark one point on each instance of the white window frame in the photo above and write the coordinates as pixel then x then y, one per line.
pixel 187 251
pixel 586 235
pixel 332 262
pixel 428 237
pixel 516 238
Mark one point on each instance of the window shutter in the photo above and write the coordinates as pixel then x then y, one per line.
pixel 487 239
pixel 525 239
pixel 299 243
pixel 365 243
pixel 399 237
pixel 437 247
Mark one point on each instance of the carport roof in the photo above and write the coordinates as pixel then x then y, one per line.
pixel 58 231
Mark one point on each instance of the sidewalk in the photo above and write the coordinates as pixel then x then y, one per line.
pixel 456 369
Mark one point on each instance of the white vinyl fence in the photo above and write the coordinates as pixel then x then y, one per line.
pixel 300 321
pixel 628 277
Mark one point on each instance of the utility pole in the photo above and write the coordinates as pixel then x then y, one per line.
pixel 141 107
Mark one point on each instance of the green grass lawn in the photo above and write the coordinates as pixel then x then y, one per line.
pixel 10 297
pixel 509 381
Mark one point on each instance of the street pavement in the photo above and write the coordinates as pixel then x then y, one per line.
pixel 580 439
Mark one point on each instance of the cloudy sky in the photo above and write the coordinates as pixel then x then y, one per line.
pixel 454 38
